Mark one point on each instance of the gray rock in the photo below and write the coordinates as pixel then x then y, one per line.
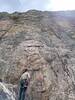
pixel 5 93
pixel 43 42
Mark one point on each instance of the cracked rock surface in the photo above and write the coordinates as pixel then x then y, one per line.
pixel 43 42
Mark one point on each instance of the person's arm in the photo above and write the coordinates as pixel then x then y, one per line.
pixel 28 78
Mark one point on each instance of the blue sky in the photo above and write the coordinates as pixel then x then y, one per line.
pixel 24 5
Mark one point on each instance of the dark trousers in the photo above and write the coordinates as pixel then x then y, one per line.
pixel 22 93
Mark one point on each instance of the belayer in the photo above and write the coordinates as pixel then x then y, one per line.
pixel 24 82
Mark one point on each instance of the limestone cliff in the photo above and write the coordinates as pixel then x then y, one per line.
pixel 44 42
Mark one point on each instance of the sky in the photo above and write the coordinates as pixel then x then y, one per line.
pixel 44 5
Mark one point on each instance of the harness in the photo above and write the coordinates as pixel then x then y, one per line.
pixel 24 83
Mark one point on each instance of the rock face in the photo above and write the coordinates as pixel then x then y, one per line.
pixel 43 42
pixel 6 93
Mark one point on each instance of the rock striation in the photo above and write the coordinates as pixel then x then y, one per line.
pixel 43 42
pixel 7 92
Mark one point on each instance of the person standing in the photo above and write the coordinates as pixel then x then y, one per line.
pixel 24 82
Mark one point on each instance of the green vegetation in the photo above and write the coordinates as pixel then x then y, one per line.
pixel 15 16
pixel 4 15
